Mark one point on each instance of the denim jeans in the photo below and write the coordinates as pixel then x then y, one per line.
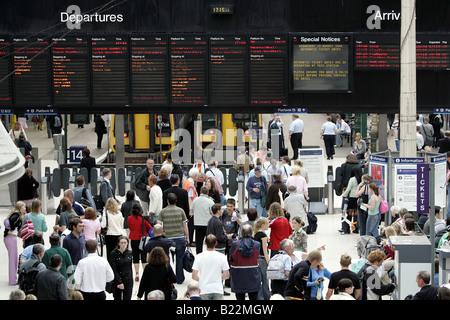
pixel 372 224
pixel 264 292
pixel 180 247
pixel 256 203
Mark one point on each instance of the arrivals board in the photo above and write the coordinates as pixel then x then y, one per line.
pixel 188 70
pixel 228 74
pixel 149 70
pixel 110 70
pixel 320 62
pixel 382 52
pixel 70 68
pixel 5 69
pixel 432 52
pixel 377 52
pixel 268 70
pixel 32 76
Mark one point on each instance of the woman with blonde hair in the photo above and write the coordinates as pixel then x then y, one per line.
pixel 38 218
pixel 113 220
pixel 279 226
pixel 259 235
pixel 14 220
pixel 303 170
pixel 296 179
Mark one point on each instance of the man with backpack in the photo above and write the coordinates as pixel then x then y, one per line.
pixel 82 195
pixel 30 268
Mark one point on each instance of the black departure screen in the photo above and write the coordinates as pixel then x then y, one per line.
pixel 268 70
pixel 32 77
pixel 188 70
pixel 5 69
pixel 110 66
pixel 70 67
pixel 228 76
pixel 149 70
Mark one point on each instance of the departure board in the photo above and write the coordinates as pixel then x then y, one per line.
pixel 381 52
pixel 110 68
pixel 320 63
pixel 32 76
pixel 188 70
pixel 5 69
pixel 149 70
pixel 228 76
pixel 70 67
pixel 268 70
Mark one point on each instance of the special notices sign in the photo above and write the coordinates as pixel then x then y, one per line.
pixel 411 182
pixel 320 62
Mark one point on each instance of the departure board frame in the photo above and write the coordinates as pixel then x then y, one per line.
pixel 6 90
pixel 321 39
pixel 71 70
pixel 149 64
pixel 181 47
pixel 268 46
pixel 111 92
pixel 34 89
pixel 228 70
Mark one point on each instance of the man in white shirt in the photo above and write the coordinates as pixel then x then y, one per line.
pixel 92 274
pixel 210 269
pixel 419 139
pixel 343 130
pixel 201 211
pixel 296 134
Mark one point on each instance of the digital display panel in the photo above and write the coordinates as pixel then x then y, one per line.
pixel 70 68
pixel 149 70
pixel 5 70
pixel 228 74
pixel 188 70
pixel 268 70
pixel 382 52
pixel 32 76
pixel 110 68
pixel 320 62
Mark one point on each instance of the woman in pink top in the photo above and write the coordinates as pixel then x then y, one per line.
pixel 299 181
pixel 91 224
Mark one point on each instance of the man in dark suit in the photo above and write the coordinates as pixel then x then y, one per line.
pixel 87 162
pixel 427 291
pixel 444 143
pixel 50 284
pixel 182 202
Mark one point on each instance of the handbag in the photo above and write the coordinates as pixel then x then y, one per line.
pixel 144 239
pixel 173 290
pixel 27 229
pixel 384 207
pixel 110 287
pixel 104 230
pixel 188 260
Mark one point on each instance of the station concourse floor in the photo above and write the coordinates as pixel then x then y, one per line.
pixel 328 224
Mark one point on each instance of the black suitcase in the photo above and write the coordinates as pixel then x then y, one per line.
pixel 312 223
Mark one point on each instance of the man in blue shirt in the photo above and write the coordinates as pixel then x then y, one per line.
pixel 75 241
pixel 257 190
pixel 296 134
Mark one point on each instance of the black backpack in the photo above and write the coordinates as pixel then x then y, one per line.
pixel 27 279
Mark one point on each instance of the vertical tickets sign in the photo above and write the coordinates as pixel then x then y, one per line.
pixel 423 188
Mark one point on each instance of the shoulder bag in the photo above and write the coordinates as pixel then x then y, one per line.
pixel 104 230
pixel 27 229
pixel 144 237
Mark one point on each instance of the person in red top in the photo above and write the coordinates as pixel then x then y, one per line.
pixel 135 226
pixel 280 228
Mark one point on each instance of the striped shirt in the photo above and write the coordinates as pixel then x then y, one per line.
pixel 172 218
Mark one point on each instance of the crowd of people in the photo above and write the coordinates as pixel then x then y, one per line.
pixel 260 255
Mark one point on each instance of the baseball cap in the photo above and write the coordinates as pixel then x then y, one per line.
pixel 257 169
